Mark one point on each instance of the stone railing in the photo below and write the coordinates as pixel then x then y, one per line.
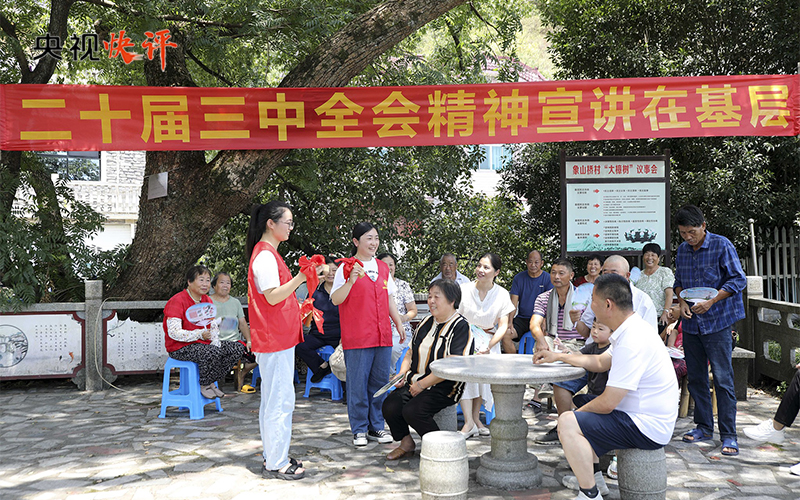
pixel 772 331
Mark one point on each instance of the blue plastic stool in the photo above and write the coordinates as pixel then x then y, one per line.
pixel 488 415
pixel 526 343
pixel 329 383
pixel 400 360
pixel 187 395
pixel 257 375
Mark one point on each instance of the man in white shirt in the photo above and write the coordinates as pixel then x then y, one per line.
pixel 642 303
pixel 639 406
pixel 448 269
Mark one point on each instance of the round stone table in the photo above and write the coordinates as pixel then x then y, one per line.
pixel 508 465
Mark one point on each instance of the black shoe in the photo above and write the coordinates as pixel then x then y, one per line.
pixel 550 437
pixel 536 406
pixel 320 374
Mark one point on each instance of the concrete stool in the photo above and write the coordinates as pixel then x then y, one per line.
pixel 329 383
pixel 447 419
pixel 642 474
pixel 443 466
pixel 187 395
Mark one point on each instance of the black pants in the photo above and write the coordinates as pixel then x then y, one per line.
pixel 790 404
pixel 307 350
pixel 522 326
pixel 401 410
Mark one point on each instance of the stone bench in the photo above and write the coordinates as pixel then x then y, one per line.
pixel 642 474
pixel 447 419
pixel 740 359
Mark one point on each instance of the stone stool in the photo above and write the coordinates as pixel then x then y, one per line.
pixel 443 466
pixel 642 474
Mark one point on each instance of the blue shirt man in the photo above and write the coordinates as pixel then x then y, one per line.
pixel 706 259
pixel 525 287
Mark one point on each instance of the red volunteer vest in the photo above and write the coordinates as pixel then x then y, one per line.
pixel 364 314
pixel 176 308
pixel 272 328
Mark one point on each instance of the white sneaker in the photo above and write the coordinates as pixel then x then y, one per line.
pixel 360 439
pixel 381 436
pixel 765 432
pixel 795 469
pixel 571 482
pixel 581 496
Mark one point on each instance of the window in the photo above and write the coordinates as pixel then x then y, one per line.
pixel 495 157
pixel 73 165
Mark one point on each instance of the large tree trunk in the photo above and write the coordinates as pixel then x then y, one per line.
pixel 174 231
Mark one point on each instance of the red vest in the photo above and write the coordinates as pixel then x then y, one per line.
pixel 176 308
pixel 364 314
pixel 272 328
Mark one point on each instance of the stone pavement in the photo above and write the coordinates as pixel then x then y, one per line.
pixel 59 443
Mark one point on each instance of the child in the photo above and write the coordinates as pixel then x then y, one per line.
pixel 564 392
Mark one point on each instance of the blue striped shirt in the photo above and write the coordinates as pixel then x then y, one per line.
pixel 716 265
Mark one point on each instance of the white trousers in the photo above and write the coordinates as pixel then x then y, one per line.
pixel 277 405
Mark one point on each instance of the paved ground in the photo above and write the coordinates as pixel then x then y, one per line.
pixel 59 443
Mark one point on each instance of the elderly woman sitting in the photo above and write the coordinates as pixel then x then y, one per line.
pixel 420 393
pixel 191 334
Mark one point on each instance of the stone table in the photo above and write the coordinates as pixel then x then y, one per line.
pixel 508 465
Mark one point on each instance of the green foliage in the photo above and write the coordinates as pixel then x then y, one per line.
pixel 39 264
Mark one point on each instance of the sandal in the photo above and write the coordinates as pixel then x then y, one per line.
pixel 695 435
pixel 247 389
pixel 289 473
pixel 731 444
pixel 295 462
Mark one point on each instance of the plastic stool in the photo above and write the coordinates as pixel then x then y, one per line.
pixel 526 343
pixel 187 395
pixel 256 375
pixel 400 360
pixel 488 415
pixel 329 383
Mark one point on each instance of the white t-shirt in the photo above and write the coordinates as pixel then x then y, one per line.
pixel 460 278
pixel 640 364
pixel 371 268
pixel 484 313
pixel 265 271
pixel 642 305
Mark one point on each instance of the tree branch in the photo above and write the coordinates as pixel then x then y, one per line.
pixel 200 22
pixel 209 70
pixel 8 27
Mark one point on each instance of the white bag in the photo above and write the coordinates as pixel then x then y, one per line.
pixel 336 361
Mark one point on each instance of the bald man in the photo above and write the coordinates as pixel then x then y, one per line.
pixel 642 303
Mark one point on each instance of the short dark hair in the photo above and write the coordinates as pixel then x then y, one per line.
pixel 690 216
pixel 565 263
pixel 383 255
pixel 596 256
pixel 196 271
pixel 360 230
pixel 616 288
pixel 450 289
pixel 216 277
pixel 494 260
pixel 652 247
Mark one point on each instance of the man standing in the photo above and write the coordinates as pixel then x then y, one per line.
pixel 639 406
pixel 706 259
pixel 525 287
pixel 448 269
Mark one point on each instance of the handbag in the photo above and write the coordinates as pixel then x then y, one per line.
pixel 336 362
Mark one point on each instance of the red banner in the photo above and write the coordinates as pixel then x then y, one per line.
pixel 78 117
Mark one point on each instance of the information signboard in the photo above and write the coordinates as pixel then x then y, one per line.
pixel 614 205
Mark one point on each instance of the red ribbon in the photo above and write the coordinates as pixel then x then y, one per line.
pixel 348 264
pixel 307 309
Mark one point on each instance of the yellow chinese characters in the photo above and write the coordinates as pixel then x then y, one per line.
pixel 161 118
pixel 560 111
pixel 716 107
pixel 337 117
pixel 223 116
pixel 511 111
pixel 769 103
pixel 669 109
pixel 619 106
pixel 105 115
pixel 282 120
pixel 400 110
pixel 455 109
pixel 45 135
